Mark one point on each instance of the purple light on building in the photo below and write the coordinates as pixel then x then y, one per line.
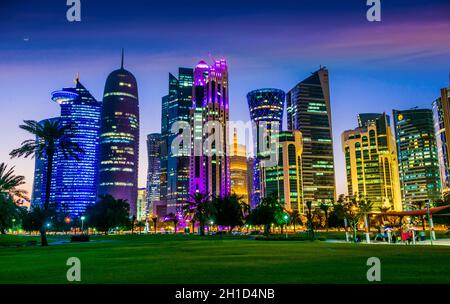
pixel 210 174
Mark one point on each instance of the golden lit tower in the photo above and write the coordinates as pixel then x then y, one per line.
pixel 239 170
pixel 371 162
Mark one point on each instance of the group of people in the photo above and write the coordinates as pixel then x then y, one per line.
pixel 406 236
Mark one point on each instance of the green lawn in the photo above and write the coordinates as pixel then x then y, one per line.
pixel 192 259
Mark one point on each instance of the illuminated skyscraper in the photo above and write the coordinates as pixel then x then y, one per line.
pixel 239 170
pixel 176 108
pixel 285 178
pixel 266 108
pixel 441 113
pixel 74 181
pixel 417 156
pixel 142 206
pixel 154 168
pixel 309 110
pixel 119 139
pixel 371 163
pixel 210 166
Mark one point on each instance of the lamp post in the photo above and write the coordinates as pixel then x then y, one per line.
pixel 286 217
pixel 430 220
pixel 82 223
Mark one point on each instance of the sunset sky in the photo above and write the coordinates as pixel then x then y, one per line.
pixel 398 63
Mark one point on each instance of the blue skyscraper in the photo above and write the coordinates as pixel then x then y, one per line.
pixel 75 180
pixel 266 107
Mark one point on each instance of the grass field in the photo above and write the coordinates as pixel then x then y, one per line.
pixel 215 259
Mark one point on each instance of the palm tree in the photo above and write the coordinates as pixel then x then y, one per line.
pixel 295 216
pixel 174 219
pixel 420 205
pixel 9 182
pixel 155 221
pixel 365 206
pixel 325 208
pixel 200 206
pixel 52 138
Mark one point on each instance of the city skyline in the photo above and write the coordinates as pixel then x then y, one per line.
pixel 387 75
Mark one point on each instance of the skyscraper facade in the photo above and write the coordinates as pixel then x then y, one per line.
pixel 119 138
pixel 239 170
pixel 285 177
pixel 154 168
pixel 76 179
pixel 371 164
pixel 309 110
pixel 176 108
pixel 417 156
pixel 441 113
pixel 209 162
pixel 266 108
pixel 142 206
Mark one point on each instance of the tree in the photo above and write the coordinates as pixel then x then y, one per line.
pixel 267 213
pixel 108 213
pixel 354 209
pixel 174 219
pixel 365 206
pixel 52 138
pixel 295 218
pixel 9 182
pixel 309 217
pixel 10 213
pixel 229 211
pixel 418 205
pixel 155 222
pixel 325 208
pixel 201 209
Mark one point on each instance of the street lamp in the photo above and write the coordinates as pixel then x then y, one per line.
pixel 82 223
pixel 286 217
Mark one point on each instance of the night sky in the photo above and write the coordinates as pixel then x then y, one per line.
pixel 400 63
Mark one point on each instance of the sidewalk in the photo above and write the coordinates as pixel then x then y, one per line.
pixel 439 242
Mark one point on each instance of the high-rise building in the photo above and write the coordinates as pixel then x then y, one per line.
pixel 119 139
pixel 309 110
pixel 209 162
pixel 175 164
pixel 266 108
pixel 154 168
pixel 239 170
pixel 441 113
pixel 285 177
pixel 371 163
pixel 417 156
pixel 76 179
pixel 142 207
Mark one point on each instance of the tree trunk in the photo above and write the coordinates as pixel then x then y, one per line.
pixel 202 229
pixel 48 187
pixel 44 241
pixel 266 229
pixel 423 223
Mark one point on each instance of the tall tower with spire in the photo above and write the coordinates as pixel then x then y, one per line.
pixel 74 180
pixel 119 137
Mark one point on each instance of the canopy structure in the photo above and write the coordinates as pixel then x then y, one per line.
pixel 413 212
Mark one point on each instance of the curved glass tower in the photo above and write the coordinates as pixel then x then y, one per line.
pixel 266 112
pixel 119 138
pixel 74 185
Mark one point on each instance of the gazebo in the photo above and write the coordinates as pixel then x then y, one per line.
pixel 420 212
